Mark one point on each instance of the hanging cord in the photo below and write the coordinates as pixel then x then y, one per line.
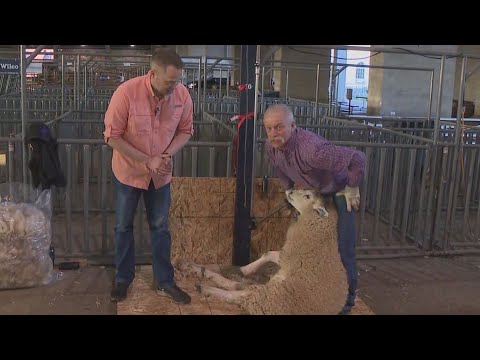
pixel 273 213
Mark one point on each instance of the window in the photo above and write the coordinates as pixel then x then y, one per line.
pixel 360 74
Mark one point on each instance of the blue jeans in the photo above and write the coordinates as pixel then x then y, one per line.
pixel 346 245
pixel 157 205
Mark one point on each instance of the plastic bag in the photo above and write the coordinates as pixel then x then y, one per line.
pixel 25 236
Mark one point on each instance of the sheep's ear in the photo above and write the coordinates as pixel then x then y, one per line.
pixel 321 211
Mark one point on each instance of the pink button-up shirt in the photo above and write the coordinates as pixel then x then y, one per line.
pixel 147 123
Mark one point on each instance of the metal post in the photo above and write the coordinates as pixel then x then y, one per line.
pixel 330 97
pixel 229 161
pixel 430 97
pixel 228 82
pixel 220 86
pixel 211 161
pixel 103 197
pixel 242 220
pixel 74 84
pixel 337 81
pixel 23 105
pixel 455 175
pixel 11 166
pixel 194 166
pixel 199 109
pixel 204 106
pixel 317 85
pixel 68 200
pixel 78 81
pixel 85 85
pixel 286 85
pixel 333 68
pixel 439 102
pixel 431 215
pixel 255 112
pixel 262 108
pixel 86 197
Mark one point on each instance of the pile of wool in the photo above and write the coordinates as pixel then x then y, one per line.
pixel 25 238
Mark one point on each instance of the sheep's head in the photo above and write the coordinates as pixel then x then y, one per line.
pixel 306 200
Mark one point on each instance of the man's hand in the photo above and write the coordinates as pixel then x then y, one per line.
pixel 161 164
pixel 352 196
pixel 165 167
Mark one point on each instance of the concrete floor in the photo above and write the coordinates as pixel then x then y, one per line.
pixel 421 286
pixel 394 286
pixel 76 292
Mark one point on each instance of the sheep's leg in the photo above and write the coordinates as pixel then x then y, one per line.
pixel 231 296
pixel 219 280
pixel 270 256
pixel 223 282
pixel 185 265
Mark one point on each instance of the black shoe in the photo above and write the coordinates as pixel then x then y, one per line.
pixel 174 293
pixel 119 292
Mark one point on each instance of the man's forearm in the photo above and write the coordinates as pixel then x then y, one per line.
pixel 128 150
pixel 177 143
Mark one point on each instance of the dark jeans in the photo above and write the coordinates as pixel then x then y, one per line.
pixel 157 204
pixel 346 245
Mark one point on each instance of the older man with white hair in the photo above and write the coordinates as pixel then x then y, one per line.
pixel 307 160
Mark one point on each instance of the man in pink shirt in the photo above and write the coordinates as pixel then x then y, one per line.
pixel 149 119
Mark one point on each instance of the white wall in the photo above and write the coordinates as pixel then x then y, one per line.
pixel 406 92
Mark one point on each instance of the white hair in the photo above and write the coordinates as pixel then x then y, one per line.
pixel 280 108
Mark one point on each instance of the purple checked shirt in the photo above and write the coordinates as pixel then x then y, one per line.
pixel 310 161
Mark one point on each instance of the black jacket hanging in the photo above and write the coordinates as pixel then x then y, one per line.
pixel 44 162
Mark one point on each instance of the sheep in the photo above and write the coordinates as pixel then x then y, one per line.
pixel 25 236
pixel 309 277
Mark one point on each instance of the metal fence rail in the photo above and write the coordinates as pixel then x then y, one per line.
pixel 401 212
pixel 420 193
pixel 415 196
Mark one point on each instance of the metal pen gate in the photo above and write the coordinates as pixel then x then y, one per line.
pixel 420 194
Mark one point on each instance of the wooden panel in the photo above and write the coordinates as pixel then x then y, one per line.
pixel 196 197
pixel 202 215
pixel 227 205
pixel 227 185
pixel 260 200
pixel 181 231
pixel 225 241
pixel 204 240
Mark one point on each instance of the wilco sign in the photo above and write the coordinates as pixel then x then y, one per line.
pixel 10 66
